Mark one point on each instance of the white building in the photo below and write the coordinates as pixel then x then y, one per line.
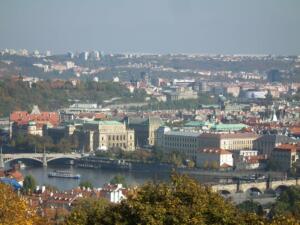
pixel 246 159
pixel 84 56
pixel 114 193
pixel 215 158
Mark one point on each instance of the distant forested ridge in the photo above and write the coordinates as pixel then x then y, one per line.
pixel 51 95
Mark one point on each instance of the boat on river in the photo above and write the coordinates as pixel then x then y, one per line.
pixel 63 174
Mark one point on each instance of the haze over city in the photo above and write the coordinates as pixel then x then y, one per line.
pixel 156 26
pixel 130 112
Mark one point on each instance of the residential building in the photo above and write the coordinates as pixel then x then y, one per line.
pixel 285 156
pixel 180 93
pixel 266 143
pixel 113 193
pixel 214 158
pixel 32 123
pixel 248 159
pixel 233 90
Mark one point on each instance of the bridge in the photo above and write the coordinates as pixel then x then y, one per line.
pixel 259 186
pixel 43 158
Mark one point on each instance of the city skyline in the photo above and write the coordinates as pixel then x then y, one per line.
pixel 208 27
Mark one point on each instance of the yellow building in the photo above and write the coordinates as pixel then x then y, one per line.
pixel 103 135
pixel 228 141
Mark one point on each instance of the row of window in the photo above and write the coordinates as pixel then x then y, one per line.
pixel 172 144
pixel 117 137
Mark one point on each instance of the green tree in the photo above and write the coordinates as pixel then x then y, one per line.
pixel 250 206
pixel 190 164
pixel 206 165
pixel 119 179
pixel 288 203
pixel 86 184
pixel 87 212
pixel 214 165
pixel 29 184
pixel 182 201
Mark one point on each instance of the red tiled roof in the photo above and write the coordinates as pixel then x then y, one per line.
pixel 295 130
pixel 225 165
pixel 288 147
pixel 23 117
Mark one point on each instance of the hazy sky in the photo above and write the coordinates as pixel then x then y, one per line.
pixel 152 26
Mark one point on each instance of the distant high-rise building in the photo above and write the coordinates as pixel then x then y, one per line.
pixel 274 75
pixel 84 56
pixel 94 55
pixel 48 53
pixel 70 55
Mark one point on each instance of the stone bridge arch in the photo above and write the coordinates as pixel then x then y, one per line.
pixel 20 158
pixel 279 189
pixel 254 189
pixel 61 157
pixel 225 192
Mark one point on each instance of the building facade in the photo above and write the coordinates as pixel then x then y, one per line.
pixel 266 143
pixel 215 158
pixel 103 135
pixel 185 143
pixel 144 129
pixel 285 156
pixel 228 141
pixel 32 123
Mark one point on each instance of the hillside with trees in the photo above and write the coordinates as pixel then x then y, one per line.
pixel 51 95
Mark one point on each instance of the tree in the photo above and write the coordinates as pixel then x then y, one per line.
pixel 288 203
pixel 190 164
pixel 214 165
pixel 119 179
pixel 182 201
pixel 206 165
pixel 29 184
pixel 86 184
pixel 250 206
pixel 14 210
pixel 87 212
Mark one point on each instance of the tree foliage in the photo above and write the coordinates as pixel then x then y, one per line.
pixel 181 201
pixel 86 184
pixel 14 210
pixel 119 179
pixel 29 184
pixel 51 95
pixel 250 206
pixel 288 203
pixel 87 212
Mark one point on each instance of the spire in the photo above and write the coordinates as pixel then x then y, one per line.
pixel 35 110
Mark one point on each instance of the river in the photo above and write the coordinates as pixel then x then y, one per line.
pixel 97 177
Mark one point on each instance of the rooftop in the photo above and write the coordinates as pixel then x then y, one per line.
pixel 230 135
pixel 104 122
pixel 182 133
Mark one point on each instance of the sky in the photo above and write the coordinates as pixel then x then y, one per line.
pixel 152 26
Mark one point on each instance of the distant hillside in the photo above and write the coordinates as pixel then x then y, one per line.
pixel 17 95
